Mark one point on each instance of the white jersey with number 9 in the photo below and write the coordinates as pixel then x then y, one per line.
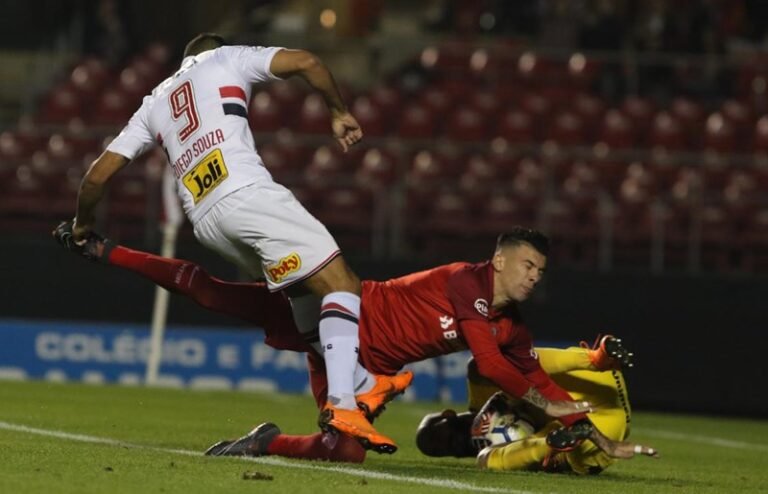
pixel 199 117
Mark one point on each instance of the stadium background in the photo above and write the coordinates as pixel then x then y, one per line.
pixel 633 133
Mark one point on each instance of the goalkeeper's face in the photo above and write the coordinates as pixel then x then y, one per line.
pixel 518 269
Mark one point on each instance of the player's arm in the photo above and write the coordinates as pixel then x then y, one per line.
pixel 301 63
pixel 492 365
pixel 92 189
pixel 620 449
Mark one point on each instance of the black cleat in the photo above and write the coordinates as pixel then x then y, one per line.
pixel 96 248
pixel 568 438
pixel 255 443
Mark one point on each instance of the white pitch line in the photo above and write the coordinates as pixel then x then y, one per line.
pixel 358 472
pixel 712 441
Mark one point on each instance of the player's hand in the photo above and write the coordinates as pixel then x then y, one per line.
pixel 346 130
pixel 80 232
pixel 627 450
pixel 562 408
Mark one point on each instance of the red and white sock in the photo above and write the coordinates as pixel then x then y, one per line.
pixel 339 319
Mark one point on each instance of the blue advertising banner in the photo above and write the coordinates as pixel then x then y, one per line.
pixel 199 358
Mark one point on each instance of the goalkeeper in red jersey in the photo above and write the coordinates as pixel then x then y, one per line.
pixel 439 311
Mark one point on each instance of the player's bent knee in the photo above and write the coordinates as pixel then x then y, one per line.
pixel 336 276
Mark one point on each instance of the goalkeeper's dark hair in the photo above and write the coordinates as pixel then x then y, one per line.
pixel 519 235
pixel 203 42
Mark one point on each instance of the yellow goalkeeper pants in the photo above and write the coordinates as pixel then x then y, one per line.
pixel 569 368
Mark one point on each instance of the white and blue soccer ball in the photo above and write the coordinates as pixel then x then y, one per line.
pixel 496 428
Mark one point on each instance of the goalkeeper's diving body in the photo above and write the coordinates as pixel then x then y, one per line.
pixel 435 312
pixel 551 447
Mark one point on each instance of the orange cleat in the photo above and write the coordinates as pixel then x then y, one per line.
pixel 354 423
pixel 386 388
pixel 608 353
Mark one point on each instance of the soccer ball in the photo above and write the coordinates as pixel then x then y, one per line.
pixel 492 428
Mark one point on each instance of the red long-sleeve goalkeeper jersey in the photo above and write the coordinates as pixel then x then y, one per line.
pixel 445 310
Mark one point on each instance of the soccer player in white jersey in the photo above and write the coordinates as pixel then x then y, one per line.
pixel 199 117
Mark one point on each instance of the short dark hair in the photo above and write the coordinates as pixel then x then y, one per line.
pixel 519 235
pixel 203 42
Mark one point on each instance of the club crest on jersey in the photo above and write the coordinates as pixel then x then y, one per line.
pixel 206 175
pixel 481 306
pixel 445 321
pixel 287 265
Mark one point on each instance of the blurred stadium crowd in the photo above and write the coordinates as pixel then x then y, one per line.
pixel 634 133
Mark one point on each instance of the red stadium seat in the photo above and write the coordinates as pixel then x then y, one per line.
pixel 529 185
pixel 88 77
pixel 516 127
pixel 465 124
pixel 279 163
pixel 369 117
pixel 314 117
pixel 537 105
pixel 666 132
pixel 477 180
pixel 633 218
pixel 591 111
pixel 346 209
pixel 448 215
pixel 377 170
pixel 133 85
pixel 536 71
pixel 449 59
pixel 500 211
pixel 567 129
pixel 760 139
pixel 62 104
pixel 488 66
pixel 582 71
pixel 128 196
pixel 159 53
pixel 437 101
pixel 691 116
pixel 290 97
pixel 264 113
pixel 426 168
pixel 13 146
pixel 641 112
pixel 417 122
pixel 388 100
pixel 325 170
pixel 503 157
pixel 486 103
pixel 617 131
pixel 742 119
pixel 719 134
pixel 113 107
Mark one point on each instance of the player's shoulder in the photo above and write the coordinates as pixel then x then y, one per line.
pixel 242 51
pixel 467 271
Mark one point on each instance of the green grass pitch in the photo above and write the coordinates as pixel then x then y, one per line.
pixel 75 438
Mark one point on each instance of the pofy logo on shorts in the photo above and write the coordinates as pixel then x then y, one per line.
pixel 287 265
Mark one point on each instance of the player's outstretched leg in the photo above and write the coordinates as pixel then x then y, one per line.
pixel 255 443
pixel 384 390
pixel 96 248
pixel 608 352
